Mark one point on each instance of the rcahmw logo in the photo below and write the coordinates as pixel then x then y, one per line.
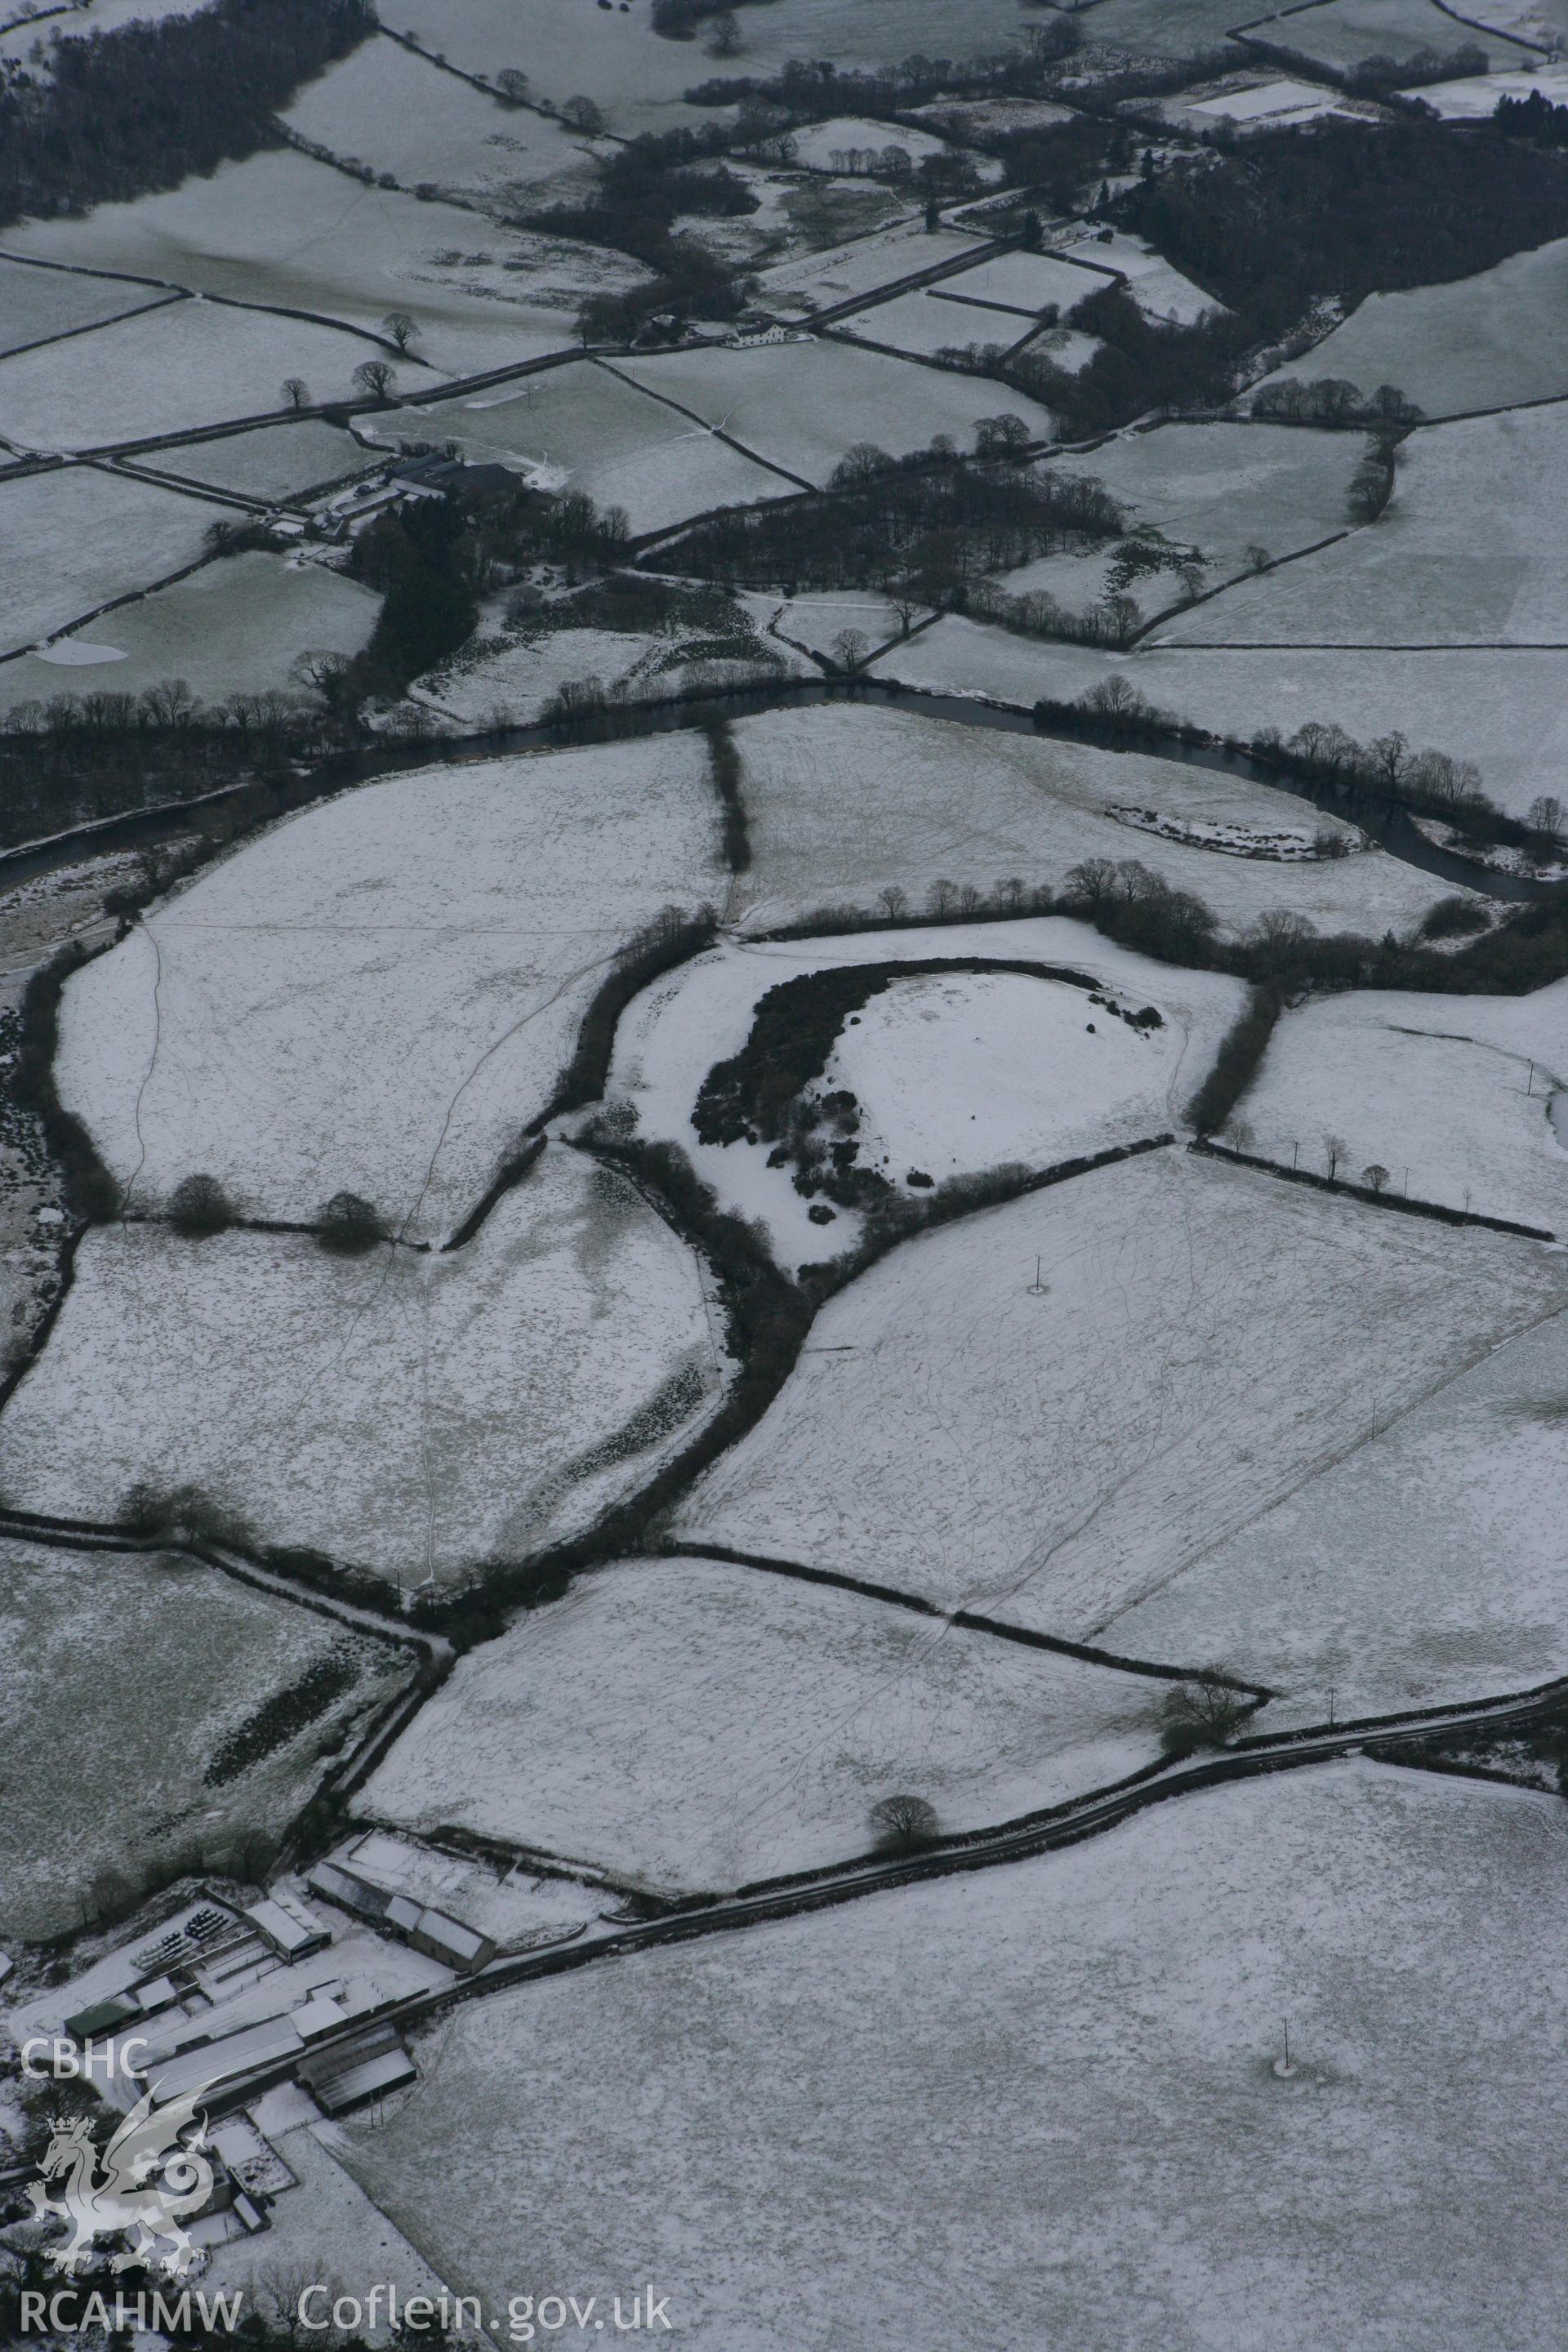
pixel 69 2311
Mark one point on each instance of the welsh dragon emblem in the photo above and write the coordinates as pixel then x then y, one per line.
pixel 149 2182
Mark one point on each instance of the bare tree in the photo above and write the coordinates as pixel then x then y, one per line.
pixel 1374 1177
pixel 1006 435
pixel 399 327
pixel 377 378
pixel 1201 1712
pixel 724 35
pixel 1281 931
pixel 1258 557
pixel 169 704
pixel 350 1226
pixel 296 392
pixel 849 649
pixel 1545 819
pixel 1333 399
pixel 328 674
pixel 903 1824
pixel 582 114
pixel 1114 698
pixel 893 902
pixel 1392 407
pixel 1389 754
pixel 1092 884
pixel 513 84
pixel 198 1206
pixel 1334 1149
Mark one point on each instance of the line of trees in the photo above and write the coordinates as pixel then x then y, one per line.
pixel 808 89
pixel 1335 401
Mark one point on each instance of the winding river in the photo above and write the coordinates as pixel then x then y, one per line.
pixel 1385 821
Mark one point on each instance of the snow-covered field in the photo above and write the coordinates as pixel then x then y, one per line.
pixel 383 106
pixel 1441 1086
pixel 1476 100
pixel 992 118
pixel 37 303
pixel 587 427
pixel 819 281
pixel 1065 347
pixel 617 61
pixel 817 144
pixel 1342 35
pixel 75 537
pixel 1037 2106
pixel 499 682
pixel 237 626
pixel 1221 488
pixel 165 371
pixel 1153 27
pixel 418 1415
pixel 846 801
pixel 686 1724
pixel 802 404
pixel 819 620
pixel 282 228
pixel 1210 1336
pixel 164 1661
pixel 510 685
pixel 923 326
pixel 1160 291
pixel 638 78
pixel 1469 551
pixel 274 461
pixel 1028 281
pixel 1426 1566
pixel 380 992
pixel 1505 707
pixel 955 1073
pixel 35 22
pixel 1475 342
